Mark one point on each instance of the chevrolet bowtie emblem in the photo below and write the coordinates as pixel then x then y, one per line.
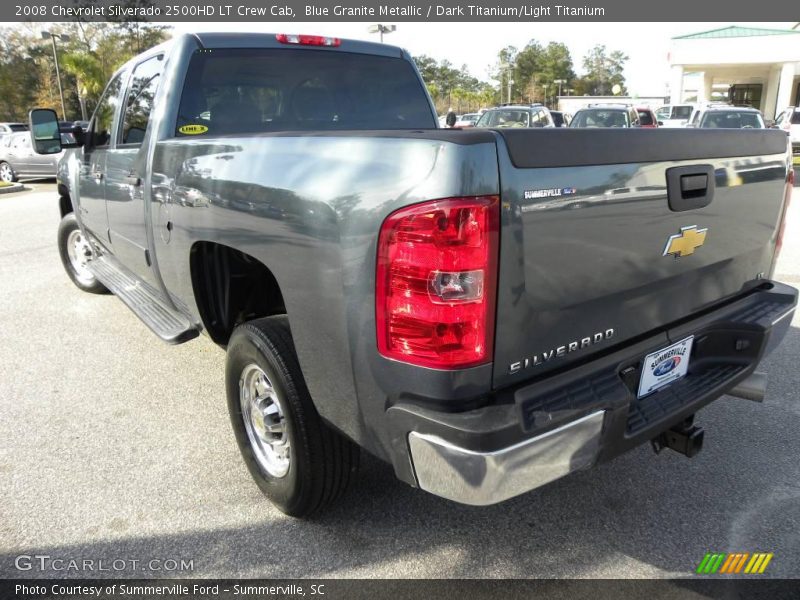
pixel 686 242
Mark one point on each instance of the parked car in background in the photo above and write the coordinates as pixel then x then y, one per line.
pixel 467 120
pixel 18 159
pixel 674 115
pixel 606 115
pixel 519 116
pixel 729 117
pixel 647 117
pixel 561 119
pixel 9 128
pixel 789 121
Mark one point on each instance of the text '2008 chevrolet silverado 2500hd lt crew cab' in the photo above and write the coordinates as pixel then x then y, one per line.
pixel 486 310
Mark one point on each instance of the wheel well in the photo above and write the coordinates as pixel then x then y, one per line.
pixel 64 203
pixel 231 287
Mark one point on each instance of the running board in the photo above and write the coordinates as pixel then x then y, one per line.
pixel 165 321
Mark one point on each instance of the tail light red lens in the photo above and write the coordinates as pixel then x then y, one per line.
pixel 307 40
pixel 436 282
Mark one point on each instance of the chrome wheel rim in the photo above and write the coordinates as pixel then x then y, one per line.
pixel 264 421
pixel 79 252
pixel 6 174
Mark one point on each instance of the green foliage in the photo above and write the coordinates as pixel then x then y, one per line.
pixel 451 87
pixel 603 71
pixel 87 61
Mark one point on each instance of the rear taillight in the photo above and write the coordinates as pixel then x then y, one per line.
pixel 786 199
pixel 307 40
pixel 436 282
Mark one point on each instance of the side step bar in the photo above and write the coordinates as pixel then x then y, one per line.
pixel 166 322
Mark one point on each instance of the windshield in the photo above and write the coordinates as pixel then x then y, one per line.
pixel 505 118
pixel 731 120
pixel 600 117
pixel 253 90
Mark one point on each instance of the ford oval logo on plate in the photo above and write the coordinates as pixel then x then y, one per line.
pixel 665 366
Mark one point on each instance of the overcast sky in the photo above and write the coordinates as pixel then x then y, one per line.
pixel 477 44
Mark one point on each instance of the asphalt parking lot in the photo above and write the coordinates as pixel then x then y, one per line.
pixel 116 446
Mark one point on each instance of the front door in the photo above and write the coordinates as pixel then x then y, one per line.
pixel 91 196
pixel 125 173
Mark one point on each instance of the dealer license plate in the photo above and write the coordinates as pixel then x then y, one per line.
pixel 665 366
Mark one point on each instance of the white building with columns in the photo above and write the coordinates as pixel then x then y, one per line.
pixel 745 65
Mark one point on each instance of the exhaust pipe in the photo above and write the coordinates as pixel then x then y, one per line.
pixel 753 388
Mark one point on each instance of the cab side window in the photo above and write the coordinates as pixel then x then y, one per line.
pixel 139 103
pixel 103 119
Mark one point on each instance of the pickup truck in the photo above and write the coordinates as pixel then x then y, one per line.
pixel 487 310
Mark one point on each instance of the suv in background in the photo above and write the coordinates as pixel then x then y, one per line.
pixel 789 121
pixel 728 117
pixel 674 115
pixel 516 116
pixel 606 115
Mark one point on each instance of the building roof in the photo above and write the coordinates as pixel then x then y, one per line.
pixel 734 31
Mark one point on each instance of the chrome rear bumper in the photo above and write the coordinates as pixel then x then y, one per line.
pixel 482 478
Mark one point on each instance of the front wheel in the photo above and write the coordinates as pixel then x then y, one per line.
pixel 76 251
pixel 299 462
pixel 7 174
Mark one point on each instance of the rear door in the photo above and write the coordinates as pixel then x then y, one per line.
pixel 593 251
pixel 124 190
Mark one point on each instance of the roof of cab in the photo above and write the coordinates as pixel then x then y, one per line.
pixel 269 40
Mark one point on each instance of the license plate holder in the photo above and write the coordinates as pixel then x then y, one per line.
pixel 665 366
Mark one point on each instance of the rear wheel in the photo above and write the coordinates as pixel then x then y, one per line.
pixel 76 251
pixel 7 173
pixel 299 462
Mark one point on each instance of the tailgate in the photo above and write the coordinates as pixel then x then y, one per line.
pixel 588 228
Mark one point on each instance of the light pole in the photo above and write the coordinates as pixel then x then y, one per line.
pixel 379 28
pixel 63 38
pixel 559 82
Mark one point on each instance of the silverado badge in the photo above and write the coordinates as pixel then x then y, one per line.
pixel 686 242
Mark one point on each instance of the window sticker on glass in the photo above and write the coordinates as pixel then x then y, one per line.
pixel 192 129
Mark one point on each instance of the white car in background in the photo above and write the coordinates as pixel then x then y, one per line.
pixel 675 115
pixel 467 120
pixel 729 117
pixel 789 121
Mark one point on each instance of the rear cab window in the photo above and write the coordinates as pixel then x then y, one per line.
pixel 230 91
pixel 796 118
pixel 645 117
pixel 681 112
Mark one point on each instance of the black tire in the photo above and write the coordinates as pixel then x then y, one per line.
pixel 322 462
pixel 68 227
pixel 7 172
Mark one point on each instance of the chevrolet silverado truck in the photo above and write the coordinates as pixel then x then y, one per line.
pixel 487 310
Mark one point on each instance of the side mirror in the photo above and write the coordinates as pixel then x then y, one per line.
pixel 660 123
pixel 45 136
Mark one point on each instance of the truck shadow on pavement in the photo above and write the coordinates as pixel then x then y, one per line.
pixel 641 515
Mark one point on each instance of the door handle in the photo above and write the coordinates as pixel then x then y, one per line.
pixel 690 187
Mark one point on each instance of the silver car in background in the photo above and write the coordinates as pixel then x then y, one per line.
pixel 18 160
